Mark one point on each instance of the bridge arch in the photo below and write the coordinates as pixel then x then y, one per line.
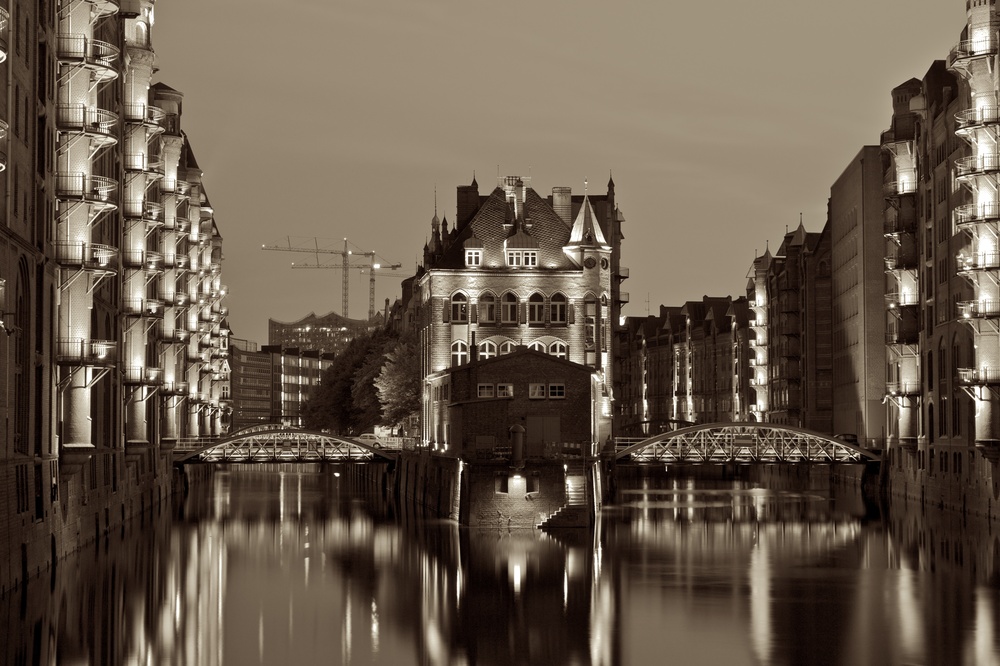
pixel 278 443
pixel 743 442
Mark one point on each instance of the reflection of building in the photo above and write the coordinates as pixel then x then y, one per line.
pixel 329 333
pixel 518 269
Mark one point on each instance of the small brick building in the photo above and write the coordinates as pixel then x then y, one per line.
pixel 556 401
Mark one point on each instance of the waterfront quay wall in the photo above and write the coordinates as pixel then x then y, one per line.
pixel 54 508
pixel 488 493
pixel 962 481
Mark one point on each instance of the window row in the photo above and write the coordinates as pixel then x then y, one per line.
pixel 490 349
pixel 554 311
pixel 528 258
pixel 536 391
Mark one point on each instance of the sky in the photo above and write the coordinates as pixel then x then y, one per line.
pixel 720 122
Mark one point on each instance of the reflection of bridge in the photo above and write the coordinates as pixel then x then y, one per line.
pixel 278 443
pixel 741 442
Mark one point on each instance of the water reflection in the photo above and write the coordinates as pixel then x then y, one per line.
pixel 300 566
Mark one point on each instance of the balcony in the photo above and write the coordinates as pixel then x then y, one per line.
pixel 901 146
pixel 96 190
pixel 85 352
pixel 900 261
pixel 144 260
pixel 985 309
pixel 137 375
pixel 175 335
pixel 898 188
pixel 180 188
pixel 4 33
pixel 979 376
pixel 979 117
pixel 87 256
pixel 902 335
pixel 623 297
pixel 622 274
pixel 979 261
pixel 902 388
pixel 971 49
pixel 98 124
pixel 894 301
pixel 174 388
pixel 982 213
pixel 974 165
pixel 99 57
pixel 141 162
pixel 899 226
pixel 149 308
pixel 144 114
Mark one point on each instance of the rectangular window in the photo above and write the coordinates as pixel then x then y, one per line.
pixel 485 390
pixel 505 390
pixel 513 258
pixel 530 258
pixel 508 311
pixel 473 257
pixel 557 391
pixel 536 391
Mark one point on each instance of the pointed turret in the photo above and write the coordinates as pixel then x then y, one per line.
pixel 586 232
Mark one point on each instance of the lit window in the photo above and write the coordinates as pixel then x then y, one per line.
pixel 557 391
pixel 536 391
pixel 508 309
pixel 487 308
pixel 485 390
pixel 513 257
pixel 530 258
pixel 505 390
pixel 459 353
pixel 487 349
pixel 537 346
pixel 459 308
pixel 590 312
pixel 536 309
pixel 558 349
pixel 506 347
pixel 557 310
pixel 473 257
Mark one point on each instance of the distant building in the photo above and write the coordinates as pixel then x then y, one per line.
pixel 328 334
pixel 518 270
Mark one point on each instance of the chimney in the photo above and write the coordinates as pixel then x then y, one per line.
pixel 562 203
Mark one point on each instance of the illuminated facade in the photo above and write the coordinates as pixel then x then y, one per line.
pixel 519 270
pixel 110 277
pixel 328 333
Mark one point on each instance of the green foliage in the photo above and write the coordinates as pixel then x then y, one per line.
pixel 398 383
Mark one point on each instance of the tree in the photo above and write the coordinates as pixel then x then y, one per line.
pixel 398 383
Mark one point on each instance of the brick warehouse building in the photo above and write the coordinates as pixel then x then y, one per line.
pixel 519 270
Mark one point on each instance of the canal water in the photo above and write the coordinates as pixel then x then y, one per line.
pixel 296 566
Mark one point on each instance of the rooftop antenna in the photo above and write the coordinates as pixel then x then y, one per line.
pixel 435 199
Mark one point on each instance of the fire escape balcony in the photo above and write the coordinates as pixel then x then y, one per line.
pixel 174 388
pixel 973 49
pixel 983 376
pixel 898 188
pixel 137 375
pixel 902 389
pixel 145 114
pixel 900 146
pixel 173 299
pixel 623 297
pixel 975 165
pixel 177 187
pixel 97 124
pixel 86 352
pixel 174 335
pixel 898 300
pixel 148 308
pixel 985 309
pixel 149 212
pixel 900 261
pixel 99 57
pixel 898 225
pixel 96 190
pixel 4 33
pixel 972 214
pixel 622 274
pixel 141 162
pixel 979 261
pixel 143 260
pixel 902 335
pixel 975 118
pixel 87 256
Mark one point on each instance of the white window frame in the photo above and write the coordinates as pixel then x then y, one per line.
pixel 537 345
pixel 474 258
pixel 559 349
pixel 536 309
pixel 487 308
pixel 529 258
pixel 536 391
pixel 459 353
pixel 459 308
pixel 509 307
pixel 506 347
pixel 557 391
pixel 487 349
pixel 484 391
pixel 505 390
pixel 558 308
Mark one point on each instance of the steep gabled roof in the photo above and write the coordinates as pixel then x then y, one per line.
pixel 586 231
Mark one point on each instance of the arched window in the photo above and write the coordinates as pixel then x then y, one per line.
pixel 487 349
pixel 536 309
pixel 487 308
pixel 506 347
pixel 557 310
pixel 537 346
pixel 508 308
pixel 558 349
pixel 590 312
pixel 459 353
pixel 459 307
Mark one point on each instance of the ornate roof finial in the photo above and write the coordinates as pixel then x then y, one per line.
pixel 584 187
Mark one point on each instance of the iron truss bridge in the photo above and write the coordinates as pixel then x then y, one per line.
pixel 277 443
pixel 743 443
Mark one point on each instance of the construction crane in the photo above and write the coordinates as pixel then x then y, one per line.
pixel 373 267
